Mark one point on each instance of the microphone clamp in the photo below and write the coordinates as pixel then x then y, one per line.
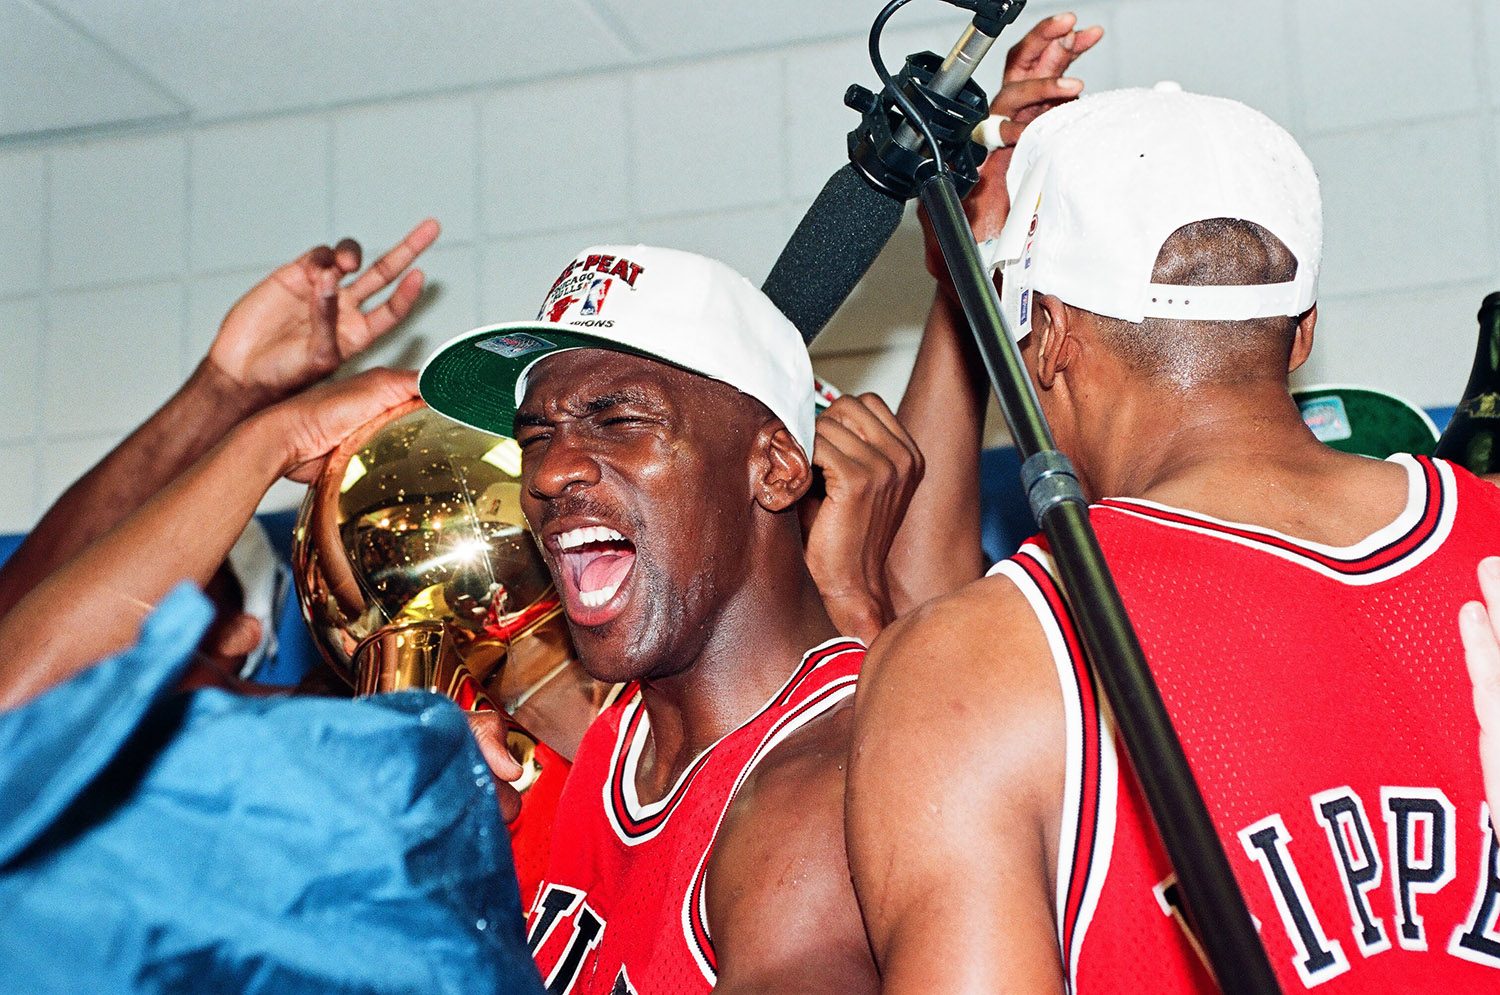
pixel 891 167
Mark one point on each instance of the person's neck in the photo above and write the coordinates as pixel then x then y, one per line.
pixel 1158 440
pixel 1239 455
pixel 758 637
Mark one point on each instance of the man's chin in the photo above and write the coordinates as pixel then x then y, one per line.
pixel 604 651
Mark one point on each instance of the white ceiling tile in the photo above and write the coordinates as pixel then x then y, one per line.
pixel 817 122
pixel 1223 48
pixel 1389 222
pixel 1491 35
pixel 18 496
pixel 284 54
pixel 1370 62
pixel 56 77
pixel 708 135
pixel 674 28
pixel 21 330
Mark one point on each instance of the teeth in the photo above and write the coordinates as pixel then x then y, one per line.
pixel 593 599
pixel 574 538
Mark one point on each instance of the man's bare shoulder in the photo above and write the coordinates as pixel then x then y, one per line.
pixel 984 635
pixel 969 678
pixel 781 906
pixel 956 769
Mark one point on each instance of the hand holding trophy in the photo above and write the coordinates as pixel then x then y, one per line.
pixel 415 569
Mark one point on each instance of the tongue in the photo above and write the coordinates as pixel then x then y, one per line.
pixel 605 570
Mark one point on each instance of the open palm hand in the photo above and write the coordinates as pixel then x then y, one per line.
pixel 300 323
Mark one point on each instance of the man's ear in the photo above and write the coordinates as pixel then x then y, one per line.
pixel 1057 345
pixel 780 472
pixel 1302 339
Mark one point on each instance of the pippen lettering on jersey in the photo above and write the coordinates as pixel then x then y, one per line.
pixel 1420 857
pixel 618 266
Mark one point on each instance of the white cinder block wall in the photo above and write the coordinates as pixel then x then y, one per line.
pixel 119 252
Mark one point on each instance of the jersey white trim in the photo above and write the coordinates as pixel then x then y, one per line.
pixel 822 701
pixel 1405 522
pixel 640 811
pixel 1069 829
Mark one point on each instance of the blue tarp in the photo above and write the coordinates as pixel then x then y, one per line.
pixel 152 840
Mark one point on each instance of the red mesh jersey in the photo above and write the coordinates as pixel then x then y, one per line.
pixel 622 907
pixel 531 833
pixel 1322 699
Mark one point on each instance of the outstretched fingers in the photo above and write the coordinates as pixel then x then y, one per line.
pixel 396 307
pixel 1050 48
pixel 389 266
pixel 1026 55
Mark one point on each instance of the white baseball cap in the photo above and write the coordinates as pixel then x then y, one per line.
pixel 675 307
pixel 1098 184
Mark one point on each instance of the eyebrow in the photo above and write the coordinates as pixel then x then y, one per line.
pixel 594 406
pixel 606 401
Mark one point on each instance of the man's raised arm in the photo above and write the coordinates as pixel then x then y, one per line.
pixel 94 604
pixel 937 550
pixel 290 330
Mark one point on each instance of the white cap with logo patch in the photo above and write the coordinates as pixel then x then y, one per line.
pixel 1098 184
pixel 676 307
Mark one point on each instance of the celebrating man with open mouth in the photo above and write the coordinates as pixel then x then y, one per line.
pixel 665 411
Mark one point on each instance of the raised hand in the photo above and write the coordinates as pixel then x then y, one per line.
pixel 299 324
pixel 307 427
pixel 1479 625
pixel 1033 83
pixel 870 469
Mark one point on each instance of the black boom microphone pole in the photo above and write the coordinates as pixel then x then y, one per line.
pixel 916 140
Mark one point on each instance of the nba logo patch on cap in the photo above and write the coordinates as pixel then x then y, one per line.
pixel 580 292
pixel 593 302
pixel 515 344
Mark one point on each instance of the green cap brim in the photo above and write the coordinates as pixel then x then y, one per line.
pixel 1366 422
pixel 472 379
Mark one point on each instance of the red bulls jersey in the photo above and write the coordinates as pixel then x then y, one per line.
pixel 622 909
pixel 1322 699
pixel 531 832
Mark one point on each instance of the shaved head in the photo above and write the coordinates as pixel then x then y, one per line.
pixel 1186 354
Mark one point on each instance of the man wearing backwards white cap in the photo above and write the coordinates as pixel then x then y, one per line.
pixel 1296 606
pixel 664 409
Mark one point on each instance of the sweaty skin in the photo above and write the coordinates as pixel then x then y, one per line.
pixel 935 688
pixel 705 598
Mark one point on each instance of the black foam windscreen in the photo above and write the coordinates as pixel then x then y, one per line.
pixel 839 237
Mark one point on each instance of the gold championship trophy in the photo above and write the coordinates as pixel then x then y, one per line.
pixel 415 569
